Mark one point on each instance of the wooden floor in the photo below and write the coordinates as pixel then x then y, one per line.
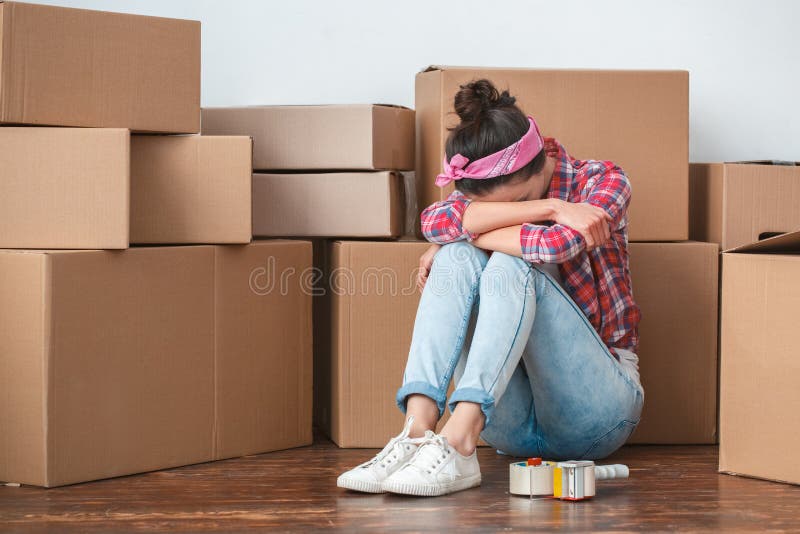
pixel 670 488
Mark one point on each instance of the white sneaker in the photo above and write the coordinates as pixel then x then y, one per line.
pixel 435 469
pixel 368 476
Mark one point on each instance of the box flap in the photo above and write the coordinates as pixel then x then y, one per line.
pixel 431 68
pixel 765 162
pixel 784 243
pixel 313 106
pixel 383 105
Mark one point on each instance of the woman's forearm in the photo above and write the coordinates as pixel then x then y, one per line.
pixel 504 240
pixel 481 217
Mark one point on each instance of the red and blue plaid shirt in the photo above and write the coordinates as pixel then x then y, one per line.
pixel 597 280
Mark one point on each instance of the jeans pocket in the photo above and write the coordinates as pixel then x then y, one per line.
pixel 610 441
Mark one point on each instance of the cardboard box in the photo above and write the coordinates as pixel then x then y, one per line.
pixel 64 188
pixel 734 204
pixel 119 362
pixel 354 137
pixel 362 332
pixel 675 285
pixel 75 67
pixel 637 119
pixel 760 363
pixel 96 188
pixel 263 347
pixel 191 189
pixel 348 204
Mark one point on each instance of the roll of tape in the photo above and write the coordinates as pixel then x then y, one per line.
pixel 531 480
pixel 572 480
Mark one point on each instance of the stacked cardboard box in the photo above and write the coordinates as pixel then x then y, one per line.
pixel 335 172
pixel 324 171
pixel 121 361
pixel 750 209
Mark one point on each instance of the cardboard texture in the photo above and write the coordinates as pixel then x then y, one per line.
pixel 75 67
pixel 122 362
pixel 637 119
pixel 343 137
pixel 675 285
pixel 191 189
pixel 353 204
pixel 734 204
pixel 760 368
pixel 263 347
pixel 362 331
pixel 64 188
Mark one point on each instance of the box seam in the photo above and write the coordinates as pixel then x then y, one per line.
pixel 6 12
pixel 214 384
pixel 47 367
pixel 346 353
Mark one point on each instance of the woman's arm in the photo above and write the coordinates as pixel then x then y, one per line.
pixel 480 217
pixel 534 243
pixel 504 240
pixel 586 228
pixel 458 217
pixel 441 221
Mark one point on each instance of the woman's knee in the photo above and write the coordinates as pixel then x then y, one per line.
pixel 461 256
pixel 504 273
pixel 501 260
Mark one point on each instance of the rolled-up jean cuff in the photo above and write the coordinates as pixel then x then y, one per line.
pixel 478 396
pixel 421 388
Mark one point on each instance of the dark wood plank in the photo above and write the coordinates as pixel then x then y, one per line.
pixel 670 488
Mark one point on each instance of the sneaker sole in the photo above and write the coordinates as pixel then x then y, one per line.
pixel 431 490
pixel 359 485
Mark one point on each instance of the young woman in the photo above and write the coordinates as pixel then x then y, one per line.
pixel 526 304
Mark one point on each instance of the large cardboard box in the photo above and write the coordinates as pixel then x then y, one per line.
pixel 191 189
pixel 675 285
pixel 64 187
pixel 362 332
pixel 343 137
pixel 734 204
pixel 346 204
pixel 760 360
pixel 75 67
pixel 118 362
pixel 638 119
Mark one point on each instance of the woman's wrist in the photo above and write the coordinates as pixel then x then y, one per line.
pixel 543 210
pixel 555 207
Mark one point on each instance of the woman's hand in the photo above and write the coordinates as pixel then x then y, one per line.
pixel 425 264
pixel 589 221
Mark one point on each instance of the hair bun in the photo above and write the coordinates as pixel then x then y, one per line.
pixel 476 98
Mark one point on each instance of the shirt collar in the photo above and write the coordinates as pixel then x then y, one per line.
pixel 563 172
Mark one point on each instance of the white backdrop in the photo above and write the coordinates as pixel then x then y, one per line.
pixel 743 55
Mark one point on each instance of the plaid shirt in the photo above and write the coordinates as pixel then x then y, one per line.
pixel 598 280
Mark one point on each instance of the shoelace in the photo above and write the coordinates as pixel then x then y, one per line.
pixel 390 452
pixel 431 453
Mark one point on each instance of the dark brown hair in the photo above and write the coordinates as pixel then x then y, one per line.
pixel 490 121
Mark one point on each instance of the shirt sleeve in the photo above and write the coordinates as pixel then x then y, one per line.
pixel 549 244
pixel 611 192
pixel 441 221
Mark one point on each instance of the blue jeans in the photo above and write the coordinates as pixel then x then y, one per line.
pixel 519 346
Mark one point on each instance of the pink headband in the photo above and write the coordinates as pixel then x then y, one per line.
pixel 506 161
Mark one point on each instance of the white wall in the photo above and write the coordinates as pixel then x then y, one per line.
pixel 743 55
